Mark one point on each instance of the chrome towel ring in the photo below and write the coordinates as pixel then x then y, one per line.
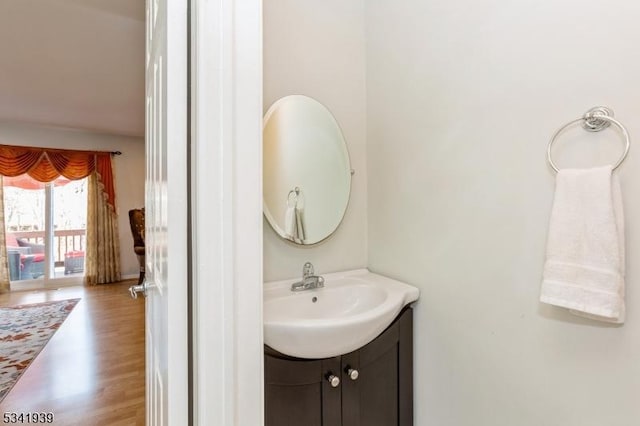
pixel 296 193
pixel 594 120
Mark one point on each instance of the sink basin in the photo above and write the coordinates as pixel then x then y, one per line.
pixel 351 310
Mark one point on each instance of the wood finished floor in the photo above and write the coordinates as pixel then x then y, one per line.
pixel 92 371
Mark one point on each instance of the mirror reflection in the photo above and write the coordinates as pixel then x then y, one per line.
pixel 307 173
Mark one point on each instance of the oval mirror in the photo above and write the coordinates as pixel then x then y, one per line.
pixel 307 174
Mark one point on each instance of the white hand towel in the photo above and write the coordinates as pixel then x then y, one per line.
pixel 290 224
pixel 300 223
pixel 584 269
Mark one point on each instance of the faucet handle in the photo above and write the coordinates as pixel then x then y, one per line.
pixel 307 270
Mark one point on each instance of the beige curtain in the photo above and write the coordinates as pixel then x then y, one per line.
pixel 4 262
pixel 102 263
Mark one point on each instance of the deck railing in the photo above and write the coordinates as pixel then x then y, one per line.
pixel 64 241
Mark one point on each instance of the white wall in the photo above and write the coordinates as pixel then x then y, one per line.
pixel 128 170
pixel 462 98
pixel 317 49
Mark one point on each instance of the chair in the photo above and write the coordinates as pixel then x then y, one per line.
pixel 34 268
pixel 136 221
pixel 26 259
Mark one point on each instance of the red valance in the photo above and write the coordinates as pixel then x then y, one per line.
pixel 46 164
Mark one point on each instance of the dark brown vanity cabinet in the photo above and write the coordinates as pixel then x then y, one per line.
pixel 372 386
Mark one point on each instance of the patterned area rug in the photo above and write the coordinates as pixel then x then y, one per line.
pixel 24 331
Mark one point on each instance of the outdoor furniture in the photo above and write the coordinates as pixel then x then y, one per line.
pixel 35 247
pixel 15 265
pixel 136 221
pixel 73 262
pixel 26 260
pixel 30 268
pixel 35 267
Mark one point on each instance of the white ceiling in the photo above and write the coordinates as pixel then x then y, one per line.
pixel 73 63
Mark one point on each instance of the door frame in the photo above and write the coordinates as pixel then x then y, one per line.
pixel 226 212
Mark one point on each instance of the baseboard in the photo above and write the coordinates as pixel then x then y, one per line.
pixel 30 285
pixel 130 277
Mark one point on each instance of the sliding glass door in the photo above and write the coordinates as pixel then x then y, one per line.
pixel 69 215
pixel 45 227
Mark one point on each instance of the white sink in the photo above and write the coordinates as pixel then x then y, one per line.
pixel 351 310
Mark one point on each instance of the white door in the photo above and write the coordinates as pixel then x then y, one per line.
pixel 166 213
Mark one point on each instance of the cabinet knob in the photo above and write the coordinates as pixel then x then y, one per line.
pixel 333 380
pixel 352 373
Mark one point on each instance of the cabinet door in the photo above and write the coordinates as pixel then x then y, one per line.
pixel 297 392
pixel 382 393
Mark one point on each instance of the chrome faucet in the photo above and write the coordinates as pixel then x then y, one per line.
pixel 309 280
